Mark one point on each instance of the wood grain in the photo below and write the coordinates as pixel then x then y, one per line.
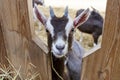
pixel 21 49
pixel 3 53
pixel 104 64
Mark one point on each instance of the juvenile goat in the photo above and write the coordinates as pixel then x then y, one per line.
pixel 93 25
pixel 62 47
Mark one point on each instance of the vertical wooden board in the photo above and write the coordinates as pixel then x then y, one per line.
pixel 21 50
pixel 14 43
pixel 91 66
pixel 3 53
pixel 110 25
pixel 110 45
pixel 115 75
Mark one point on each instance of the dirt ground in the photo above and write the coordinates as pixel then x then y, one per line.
pixel 87 41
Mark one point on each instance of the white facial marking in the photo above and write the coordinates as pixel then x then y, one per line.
pixel 69 25
pixel 50 27
pixel 59 42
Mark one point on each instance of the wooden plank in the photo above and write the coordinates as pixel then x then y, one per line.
pixel 40 43
pixel 3 53
pixel 104 64
pixel 21 50
pixel 30 13
pixel 35 37
pixel 110 70
pixel 116 67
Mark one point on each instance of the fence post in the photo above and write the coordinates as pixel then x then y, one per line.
pixel 3 53
pixel 22 52
pixel 104 63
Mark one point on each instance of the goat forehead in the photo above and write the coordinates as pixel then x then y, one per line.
pixel 59 24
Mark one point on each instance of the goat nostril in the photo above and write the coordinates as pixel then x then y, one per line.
pixel 60 47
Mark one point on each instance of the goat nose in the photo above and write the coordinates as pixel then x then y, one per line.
pixel 60 48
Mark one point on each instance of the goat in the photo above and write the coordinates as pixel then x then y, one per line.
pixel 37 2
pixel 62 47
pixel 93 25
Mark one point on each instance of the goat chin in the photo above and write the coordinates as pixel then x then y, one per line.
pixel 74 62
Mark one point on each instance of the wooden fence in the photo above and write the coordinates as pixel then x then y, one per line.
pixel 25 50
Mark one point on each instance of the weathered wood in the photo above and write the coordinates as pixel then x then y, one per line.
pixel 35 37
pixel 104 64
pixel 111 44
pixel 21 50
pixel 3 53
pixel 92 50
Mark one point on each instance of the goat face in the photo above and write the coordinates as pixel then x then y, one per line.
pixel 60 30
pixel 57 28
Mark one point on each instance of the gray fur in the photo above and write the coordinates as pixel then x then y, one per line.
pixel 74 62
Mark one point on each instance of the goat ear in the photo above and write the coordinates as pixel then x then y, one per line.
pixel 66 11
pixel 81 18
pixel 51 12
pixel 40 15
